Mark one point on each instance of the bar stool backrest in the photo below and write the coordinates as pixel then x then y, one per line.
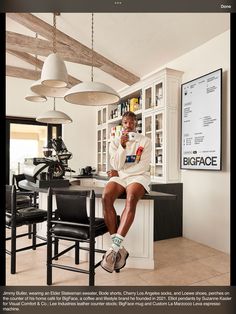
pixel 72 207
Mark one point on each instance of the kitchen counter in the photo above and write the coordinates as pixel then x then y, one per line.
pixel 98 191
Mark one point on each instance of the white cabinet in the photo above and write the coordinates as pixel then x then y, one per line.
pixel 159 116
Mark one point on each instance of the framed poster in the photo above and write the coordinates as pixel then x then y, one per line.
pixel 201 103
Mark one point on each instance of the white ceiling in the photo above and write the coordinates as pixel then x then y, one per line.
pixel 139 42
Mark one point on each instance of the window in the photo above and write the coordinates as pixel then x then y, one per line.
pixel 25 138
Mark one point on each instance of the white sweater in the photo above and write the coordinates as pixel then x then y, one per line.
pixel 120 157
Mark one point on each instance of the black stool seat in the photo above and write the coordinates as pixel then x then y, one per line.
pixel 27 215
pixel 80 232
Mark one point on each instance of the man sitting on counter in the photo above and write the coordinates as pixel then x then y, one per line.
pixel 130 157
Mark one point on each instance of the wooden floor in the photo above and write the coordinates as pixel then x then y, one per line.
pixel 179 262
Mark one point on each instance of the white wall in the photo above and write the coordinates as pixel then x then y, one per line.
pixel 79 136
pixel 206 194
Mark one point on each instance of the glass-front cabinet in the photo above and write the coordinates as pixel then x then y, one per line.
pixel 156 102
pixel 153 95
pixel 153 128
pixel 102 140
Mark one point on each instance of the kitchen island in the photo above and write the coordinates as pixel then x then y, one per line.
pixel 139 240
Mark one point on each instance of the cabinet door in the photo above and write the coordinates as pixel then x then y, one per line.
pixel 102 139
pixel 153 95
pixel 102 115
pixel 148 132
pixel 104 150
pixel 153 129
pixel 99 150
pixel 147 98
pixel 158 94
pixel 158 140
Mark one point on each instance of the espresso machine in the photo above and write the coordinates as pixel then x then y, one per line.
pixel 49 170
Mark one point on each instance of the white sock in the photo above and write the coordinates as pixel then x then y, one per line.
pixel 116 242
pixel 113 236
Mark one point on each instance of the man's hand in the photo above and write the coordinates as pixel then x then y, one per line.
pixel 112 173
pixel 124 139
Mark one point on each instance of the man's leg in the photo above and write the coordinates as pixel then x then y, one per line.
pixel 115 257
pixel 134 192
pixel 111 192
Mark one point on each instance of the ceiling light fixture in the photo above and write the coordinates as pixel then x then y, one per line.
pixel 48 91
pixel 34 96
pixel 54 73
pixel 92 93
pixel 54 116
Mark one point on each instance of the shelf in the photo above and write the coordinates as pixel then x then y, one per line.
pixel 119 118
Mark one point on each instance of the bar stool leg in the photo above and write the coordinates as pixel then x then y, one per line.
pixel 49 260
pixel 91 262
pixel 29 231
pixel 34 237
pixel 77 252
pixel 13 250
pixel 56 247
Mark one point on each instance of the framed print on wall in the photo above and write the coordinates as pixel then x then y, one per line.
pixel 201 110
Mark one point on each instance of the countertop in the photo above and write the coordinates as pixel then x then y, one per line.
pixel 97 190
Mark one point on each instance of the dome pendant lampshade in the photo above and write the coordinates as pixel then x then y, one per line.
pixel 54 117
pixel 92 93
pixel 54 73
pixel 36 97
pixel 48 91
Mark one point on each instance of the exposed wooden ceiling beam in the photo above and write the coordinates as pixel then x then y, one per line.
pixel 36 46
pixel 22 73
pixel 38 63
pixel 44 29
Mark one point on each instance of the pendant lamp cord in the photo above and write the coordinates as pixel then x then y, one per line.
pixel 92 47
pixel 54 103
pixel 54 34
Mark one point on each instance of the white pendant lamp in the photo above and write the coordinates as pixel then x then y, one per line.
pixel 92 93
pixel 54 117
pixel 54 73
pixel 48 91
pixel 36 96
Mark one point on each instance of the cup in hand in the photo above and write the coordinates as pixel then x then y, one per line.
pixel 132 136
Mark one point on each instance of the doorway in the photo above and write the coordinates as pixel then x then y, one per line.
pixel 25 138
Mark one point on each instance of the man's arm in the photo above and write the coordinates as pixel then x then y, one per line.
pixel 145 160
pixel 117 155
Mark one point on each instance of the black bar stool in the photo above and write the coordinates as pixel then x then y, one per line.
pixel 71 221
pixel 16 217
